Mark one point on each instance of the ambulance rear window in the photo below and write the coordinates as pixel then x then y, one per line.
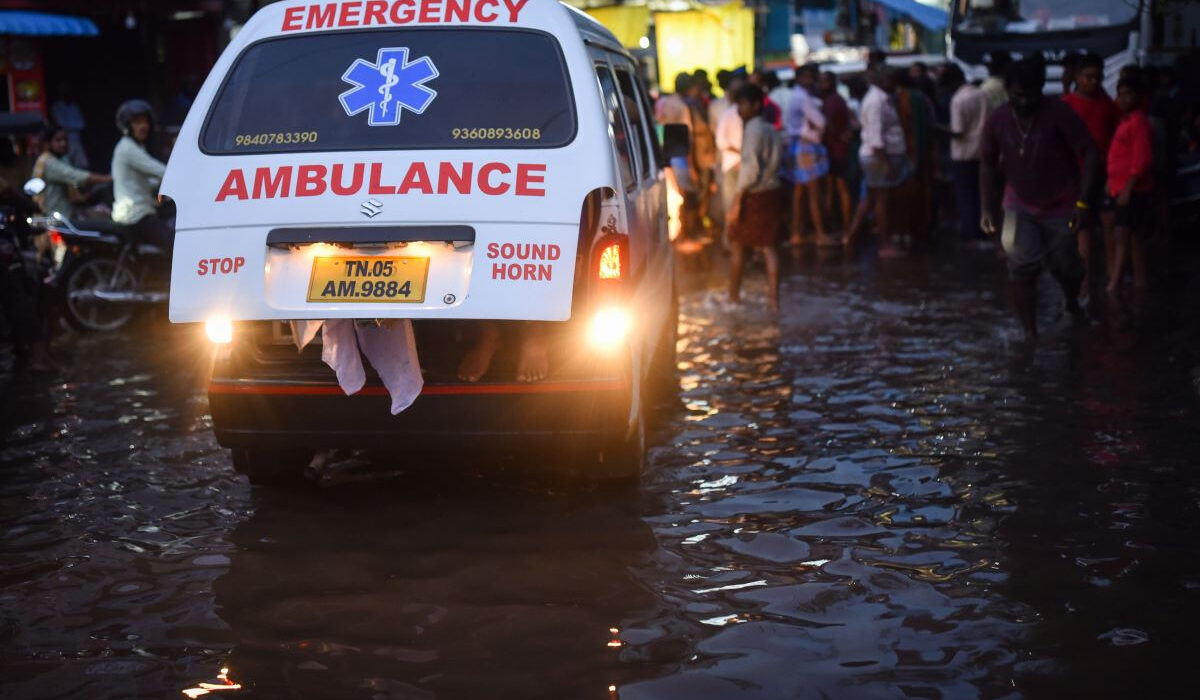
pixel 394 89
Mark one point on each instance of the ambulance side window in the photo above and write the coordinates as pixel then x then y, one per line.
pixel 651 128
pixel 612 106
pixel 637 120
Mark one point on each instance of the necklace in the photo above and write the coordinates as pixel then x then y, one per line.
pixel 1024 132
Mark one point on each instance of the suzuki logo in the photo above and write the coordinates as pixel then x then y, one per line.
pixel 371 208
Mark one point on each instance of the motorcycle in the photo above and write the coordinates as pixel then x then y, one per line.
pixel 104 276
pixel 28 266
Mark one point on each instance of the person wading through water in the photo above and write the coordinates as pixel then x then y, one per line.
pixel 1037 146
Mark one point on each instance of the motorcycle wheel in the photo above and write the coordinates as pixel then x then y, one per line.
pixel 82 309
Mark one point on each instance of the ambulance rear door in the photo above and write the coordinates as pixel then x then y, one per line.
pixel 428 168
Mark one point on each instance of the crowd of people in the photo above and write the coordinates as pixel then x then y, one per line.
pixel 1073 184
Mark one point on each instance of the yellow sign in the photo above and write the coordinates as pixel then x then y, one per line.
pixel 714 38
pixel 628 22
pixel 368 279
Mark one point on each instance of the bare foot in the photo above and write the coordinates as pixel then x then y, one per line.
pixel 533 362
pixel 477 360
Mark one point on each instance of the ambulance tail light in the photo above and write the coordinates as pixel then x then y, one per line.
pixel 219 331
pixel 611 261
pixel 610 321
pixel 610 264
pixel 609 327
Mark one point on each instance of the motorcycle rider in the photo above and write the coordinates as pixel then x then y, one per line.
pixel 59 175
pixel 136 175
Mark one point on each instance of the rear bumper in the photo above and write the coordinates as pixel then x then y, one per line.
pixel 278 414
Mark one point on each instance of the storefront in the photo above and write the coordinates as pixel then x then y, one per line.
pixel 97 54
pixel 21 60
pixel 675 36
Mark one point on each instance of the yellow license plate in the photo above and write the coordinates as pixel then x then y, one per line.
pixel 368 279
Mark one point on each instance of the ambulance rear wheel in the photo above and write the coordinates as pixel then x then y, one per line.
pixel 663 381
pixel 620 463
pixel 270 467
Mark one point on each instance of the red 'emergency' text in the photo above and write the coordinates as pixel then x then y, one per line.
pixel 368 13
pixel 346 179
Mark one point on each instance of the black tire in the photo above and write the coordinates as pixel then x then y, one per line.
pixel 662 379
pixel 620 463
pixel 86 313
pixel 271 467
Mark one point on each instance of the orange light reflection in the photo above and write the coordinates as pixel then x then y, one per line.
pixel 205 688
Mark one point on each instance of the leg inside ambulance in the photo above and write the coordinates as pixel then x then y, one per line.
pixel 532 350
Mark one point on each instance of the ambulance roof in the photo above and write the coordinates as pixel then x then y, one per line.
pixel 591 29
pixel 299 16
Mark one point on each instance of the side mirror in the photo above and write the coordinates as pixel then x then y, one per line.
pixel 676 141
pixel 35 186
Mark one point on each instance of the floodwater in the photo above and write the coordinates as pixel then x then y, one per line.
pixel 882 495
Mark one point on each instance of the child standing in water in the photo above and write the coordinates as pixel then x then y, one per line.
pixel 1130 181
pixel 756 214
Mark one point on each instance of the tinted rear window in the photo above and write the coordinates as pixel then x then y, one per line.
pixel 394 89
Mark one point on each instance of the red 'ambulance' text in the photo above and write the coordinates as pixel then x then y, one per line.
pixel 490 179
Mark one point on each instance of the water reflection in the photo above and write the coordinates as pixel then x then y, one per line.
pixel 831 518
pixel 878 495
pixel 222 684
pixel 422 591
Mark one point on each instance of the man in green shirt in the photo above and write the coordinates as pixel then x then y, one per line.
pixel 59 175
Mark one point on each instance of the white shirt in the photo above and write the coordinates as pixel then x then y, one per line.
pixel 781 96
pixel 762 156
pixel 716 108
pixel 968 112
pixel 729 139
pixel 803 117
pixel 136 175
pixel 880 125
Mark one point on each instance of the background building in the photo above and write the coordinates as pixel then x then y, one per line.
pixel 677 35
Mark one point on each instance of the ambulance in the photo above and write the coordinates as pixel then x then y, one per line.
pixel 456 164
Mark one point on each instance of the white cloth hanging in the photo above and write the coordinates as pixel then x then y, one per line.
pixel 339 350
pixel 390 347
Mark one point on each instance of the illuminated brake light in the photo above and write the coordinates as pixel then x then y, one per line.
pixel 609 327
pixel 219 331
pixel 56 238
pixel 609 267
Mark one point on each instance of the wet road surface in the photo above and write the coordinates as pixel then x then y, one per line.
pixel 881 495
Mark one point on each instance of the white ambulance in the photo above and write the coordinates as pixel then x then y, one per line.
pixel 453 162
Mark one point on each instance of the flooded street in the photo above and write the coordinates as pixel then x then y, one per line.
pixel 881 495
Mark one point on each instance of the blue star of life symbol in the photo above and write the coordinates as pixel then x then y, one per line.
pixel 389 86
